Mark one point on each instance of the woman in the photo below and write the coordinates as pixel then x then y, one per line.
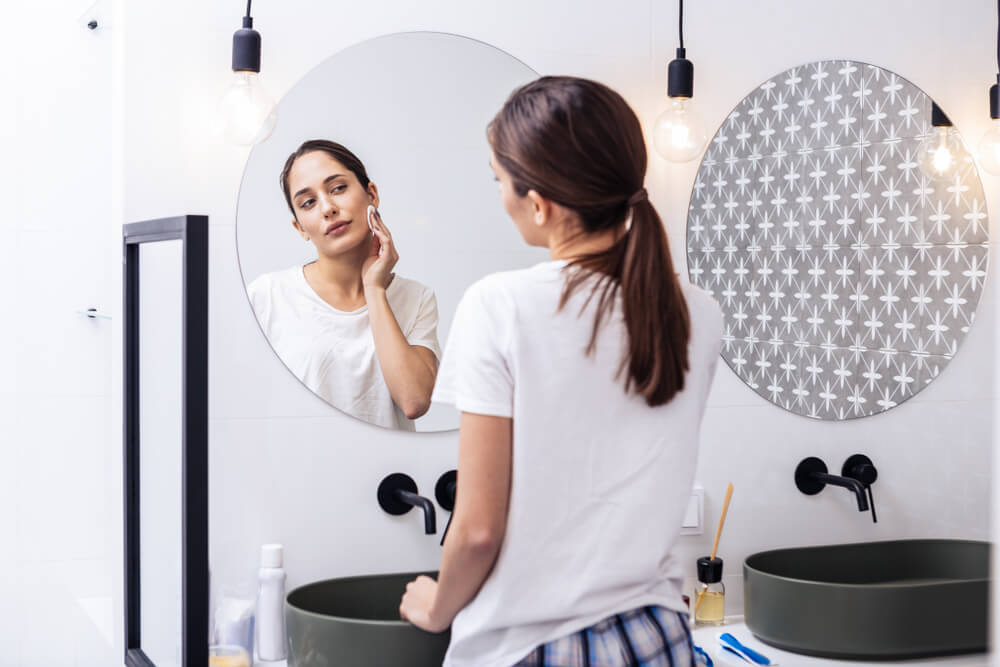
pixel 582 384
pixel 358 335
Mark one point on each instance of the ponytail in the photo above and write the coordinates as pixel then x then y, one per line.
pixel 579 144
pixel 655 313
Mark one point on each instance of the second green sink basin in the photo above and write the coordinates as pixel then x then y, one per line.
pixel 354 622
pixel 876 600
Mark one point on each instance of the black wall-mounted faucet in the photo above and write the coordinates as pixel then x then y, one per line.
pixel 397 494
pixel 859 474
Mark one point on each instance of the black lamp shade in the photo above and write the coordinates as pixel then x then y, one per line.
pixel 246 48
pixel 995 100
pixel 680 76
pixel 938 117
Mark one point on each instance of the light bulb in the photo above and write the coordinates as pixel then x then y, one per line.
pixel 940 152
pixel 679 134
pixel 989 148
pixel 246 110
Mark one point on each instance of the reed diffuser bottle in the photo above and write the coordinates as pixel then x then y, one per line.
pixel 710 596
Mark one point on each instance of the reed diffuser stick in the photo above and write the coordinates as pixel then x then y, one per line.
pixel 722 519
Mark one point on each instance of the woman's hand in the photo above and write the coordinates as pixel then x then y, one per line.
pixel 417 605
pixel 376 272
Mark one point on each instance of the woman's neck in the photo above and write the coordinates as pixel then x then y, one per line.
pixel 338 279
pixel 574 244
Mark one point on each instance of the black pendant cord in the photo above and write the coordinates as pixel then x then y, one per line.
pixel 680 26
pixel 998 40
pixel 248 7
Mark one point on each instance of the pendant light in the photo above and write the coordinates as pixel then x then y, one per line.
pixel 679 134
pixel 941 151
pixel 248 113
pixel 989 145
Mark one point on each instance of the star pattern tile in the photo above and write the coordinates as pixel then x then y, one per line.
pixel 847 277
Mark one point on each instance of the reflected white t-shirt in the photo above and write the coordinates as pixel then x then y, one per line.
pixel 600 480
pixel 332 351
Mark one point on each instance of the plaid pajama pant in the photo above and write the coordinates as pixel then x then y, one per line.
pixel 643 637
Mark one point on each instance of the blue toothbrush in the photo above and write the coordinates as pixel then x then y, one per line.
pixel 732 644
pixel 732 651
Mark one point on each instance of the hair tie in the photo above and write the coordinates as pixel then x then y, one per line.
pixel 639 196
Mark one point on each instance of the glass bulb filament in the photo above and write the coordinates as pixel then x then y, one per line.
pixel 943 159
pixel 247 112
pixel 679 134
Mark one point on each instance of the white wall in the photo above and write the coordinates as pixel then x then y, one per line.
pixel 286 467
pixel 58 563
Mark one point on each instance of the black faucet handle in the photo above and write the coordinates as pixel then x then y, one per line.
pixel 871 503
pixel 445 489
pixel 446 527
pixel 861 468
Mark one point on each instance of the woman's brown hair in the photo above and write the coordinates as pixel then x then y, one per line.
pixel 338 152
pixel 579 144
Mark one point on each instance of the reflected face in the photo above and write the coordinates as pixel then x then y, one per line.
pixel 330 204
pixel 520 209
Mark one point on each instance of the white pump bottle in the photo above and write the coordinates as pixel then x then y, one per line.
pixel 270 620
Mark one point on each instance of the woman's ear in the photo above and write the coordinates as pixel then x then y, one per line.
pixel 541 208
pixel 298 228
pixel 373 193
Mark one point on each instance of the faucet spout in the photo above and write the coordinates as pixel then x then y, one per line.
pixel 430 520
pixel 847 483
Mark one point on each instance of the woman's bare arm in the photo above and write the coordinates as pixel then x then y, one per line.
pixel 409 370
pixel 477 525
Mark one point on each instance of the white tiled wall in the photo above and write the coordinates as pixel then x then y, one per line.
pixel 57 439
pixel 286 467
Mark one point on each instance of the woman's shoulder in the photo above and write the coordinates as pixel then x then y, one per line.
pixel 409 289
pixel 266 283
pixel 699 297
pixel 276 277
pixel 409 284
pixel 702 306
pixel 517 280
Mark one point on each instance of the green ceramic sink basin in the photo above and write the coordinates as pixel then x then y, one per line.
pixel 871 601
pixel 354 622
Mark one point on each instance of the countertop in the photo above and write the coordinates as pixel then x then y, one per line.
pixel 706 638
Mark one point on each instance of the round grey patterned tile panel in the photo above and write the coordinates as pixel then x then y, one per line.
pixel 847 276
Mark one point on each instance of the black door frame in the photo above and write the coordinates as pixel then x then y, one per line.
pixel 192 230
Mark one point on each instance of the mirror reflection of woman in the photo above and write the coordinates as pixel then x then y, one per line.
pixel 360 336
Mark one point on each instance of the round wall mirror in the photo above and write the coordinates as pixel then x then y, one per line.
pixel 413 109
pixel 847 254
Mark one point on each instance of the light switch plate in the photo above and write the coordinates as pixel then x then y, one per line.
pixel 694 515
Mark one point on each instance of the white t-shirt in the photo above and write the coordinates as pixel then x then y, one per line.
pixel 332 351
pixel 600 480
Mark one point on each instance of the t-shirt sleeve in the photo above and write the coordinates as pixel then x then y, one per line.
pixel 424 329
pixel 259 292
pixel 475 374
